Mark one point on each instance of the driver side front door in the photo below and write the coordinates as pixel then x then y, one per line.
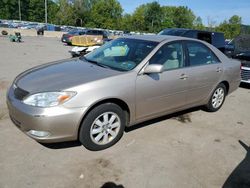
pixel 163 92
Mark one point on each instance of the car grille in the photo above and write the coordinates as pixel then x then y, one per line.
pixel 20 93
pixel 245 74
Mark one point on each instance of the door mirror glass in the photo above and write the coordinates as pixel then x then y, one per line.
pixel 153 68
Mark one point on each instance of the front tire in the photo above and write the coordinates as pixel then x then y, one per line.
pixel 217 98
pixel 102 127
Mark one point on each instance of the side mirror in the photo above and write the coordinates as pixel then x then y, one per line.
pixel 154 68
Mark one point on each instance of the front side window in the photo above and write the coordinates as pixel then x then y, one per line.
pixel 199 54
pixel 121 54
pixel 171 56
pixel 82 33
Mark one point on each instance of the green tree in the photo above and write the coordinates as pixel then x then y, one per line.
pixel 106 14
pixel 230 28
pixel 153 17
pixel 31 10
pixel 168 14
pixel 183 17
pixel 138 19
pixel 65 15
pixel 36 11
pixel 9 9
pixel 126 22
pixel 147 17
pixel 52 11
pixel 235 25
pixel 82 10
pixel 198 24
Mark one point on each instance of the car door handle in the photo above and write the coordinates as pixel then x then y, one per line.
pixel 218 69
pixel 183 77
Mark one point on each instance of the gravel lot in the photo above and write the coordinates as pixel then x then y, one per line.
pixel 188 149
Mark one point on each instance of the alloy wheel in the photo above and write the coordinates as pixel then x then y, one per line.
pixel 105 128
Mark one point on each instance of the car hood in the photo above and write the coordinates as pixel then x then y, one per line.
pixel 60 75
pixel 243 56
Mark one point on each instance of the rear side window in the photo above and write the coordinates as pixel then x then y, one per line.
pixel 199 54
pixel 95 32
pixel 89 32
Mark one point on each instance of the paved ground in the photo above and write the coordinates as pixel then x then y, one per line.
pixel 190 149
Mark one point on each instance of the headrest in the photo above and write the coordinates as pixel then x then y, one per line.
pixel 171 53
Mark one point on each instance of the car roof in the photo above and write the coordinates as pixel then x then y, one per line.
pixel 185 29
pixel 157 38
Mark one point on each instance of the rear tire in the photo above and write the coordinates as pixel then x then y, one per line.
pixel 217 98
pixel 102 127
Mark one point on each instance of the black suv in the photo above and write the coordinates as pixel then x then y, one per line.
pixel 239 48
pixel 215 38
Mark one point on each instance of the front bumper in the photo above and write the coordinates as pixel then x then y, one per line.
pixel 66 40
pixel 54 124
pixel 245 74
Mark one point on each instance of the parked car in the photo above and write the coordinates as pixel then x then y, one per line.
pixel 215 38
pixel 126 81
pixel 67 38
pixel 103 33
pixel 78 51
pixel 244 57
pixel 40 29
pixel 29 26
pixel 239 48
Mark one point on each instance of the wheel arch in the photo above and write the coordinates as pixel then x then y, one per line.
pixel 226 84
pixel 116 101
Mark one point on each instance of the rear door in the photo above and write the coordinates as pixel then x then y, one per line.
pixel 204 71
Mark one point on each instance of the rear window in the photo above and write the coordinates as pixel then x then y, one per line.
pixel 199 54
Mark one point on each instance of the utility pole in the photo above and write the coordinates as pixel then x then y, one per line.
pixel 19 8
pixel 46 14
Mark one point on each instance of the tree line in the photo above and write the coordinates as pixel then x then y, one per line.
pixel 109 14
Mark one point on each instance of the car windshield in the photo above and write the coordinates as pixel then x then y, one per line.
pixel 121 54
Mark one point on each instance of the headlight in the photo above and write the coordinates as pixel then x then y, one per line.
pixel 48 99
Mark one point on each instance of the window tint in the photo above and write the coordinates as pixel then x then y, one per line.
pixel 199 54
pixel 81 32
pixel 95 32
pixel 171 56
pixel 73 32
pixel 89 32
